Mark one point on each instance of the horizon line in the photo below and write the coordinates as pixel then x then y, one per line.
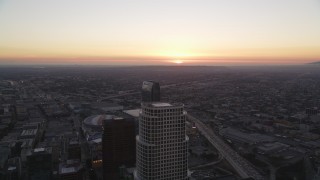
pixel 178 65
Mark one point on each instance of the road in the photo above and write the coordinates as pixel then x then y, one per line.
pixel 241 165
pixel 134 92
pixel 116 96
pixel 220 158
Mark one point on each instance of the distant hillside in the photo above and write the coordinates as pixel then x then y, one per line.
pixel 315 63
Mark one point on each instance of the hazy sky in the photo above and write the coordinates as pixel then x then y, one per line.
pixel 134 32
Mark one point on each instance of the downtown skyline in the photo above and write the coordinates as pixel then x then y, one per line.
pixel 160 32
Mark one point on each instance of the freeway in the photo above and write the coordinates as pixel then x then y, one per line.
pixel 134 92
pixel 220 158
pixel 116 96
pixel 241 165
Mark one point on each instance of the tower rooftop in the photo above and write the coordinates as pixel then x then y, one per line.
pixel 161 104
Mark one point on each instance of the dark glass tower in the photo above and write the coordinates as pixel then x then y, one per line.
pixel 39 163
pixel 150 91
pixel 118 146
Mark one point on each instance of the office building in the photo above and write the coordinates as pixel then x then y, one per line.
pixel 118 146
pixel 39 163
pixel 74 149
pixel 71 170
pixel 150 91
pixel 312 111
pixel 14 169
pixel 162 144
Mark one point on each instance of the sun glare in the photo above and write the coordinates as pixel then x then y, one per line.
pixel 178 61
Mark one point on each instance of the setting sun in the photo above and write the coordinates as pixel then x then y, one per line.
pixel 207 33
pixel 178 61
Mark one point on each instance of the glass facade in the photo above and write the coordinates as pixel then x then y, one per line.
pixel 150 91
pixel 118 146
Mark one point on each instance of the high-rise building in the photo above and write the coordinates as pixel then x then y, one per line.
pixel 39 163
pixel 14 169
pixel 162 143
pixel 74 149
pixel 150 91
pixel 118 146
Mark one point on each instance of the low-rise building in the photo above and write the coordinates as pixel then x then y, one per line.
pixel 71 170
pixel 269 148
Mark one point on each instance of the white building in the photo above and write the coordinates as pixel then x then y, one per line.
pixel 162 144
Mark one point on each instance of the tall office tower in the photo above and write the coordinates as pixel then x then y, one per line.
pixel 39 163
pixel 118 146
pixel 162 144
pixel 150 91
pixel 14 169
pixel 74 149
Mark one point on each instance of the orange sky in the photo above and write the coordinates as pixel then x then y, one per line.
pixel 145 32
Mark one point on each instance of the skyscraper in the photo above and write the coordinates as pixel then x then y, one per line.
pixel 162 144
pixel 39 163
pixel 150 91
pixel 74 149
pixel 118 146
